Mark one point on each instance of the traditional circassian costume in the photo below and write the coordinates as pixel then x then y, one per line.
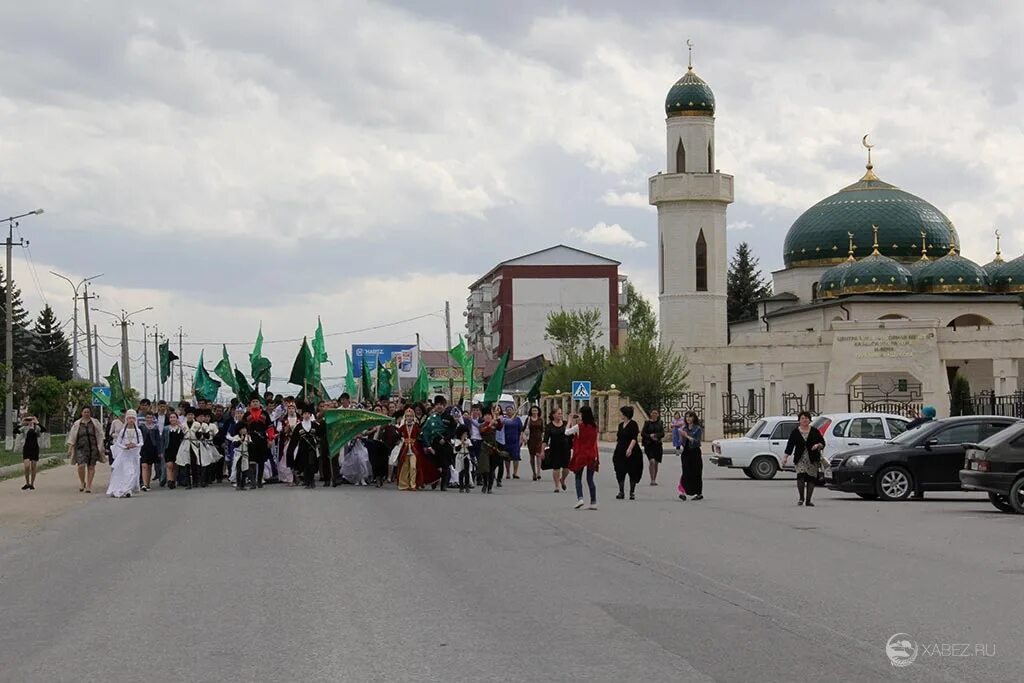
pixel 189 453
pixel 261 431
pixel 306 438
pixel 414 469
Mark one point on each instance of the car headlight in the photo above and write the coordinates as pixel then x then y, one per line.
pixel 855 461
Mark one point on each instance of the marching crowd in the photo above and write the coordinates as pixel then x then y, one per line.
pixel 281 440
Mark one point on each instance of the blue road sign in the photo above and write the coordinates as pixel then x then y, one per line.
pixel 97 392
pixel 581 390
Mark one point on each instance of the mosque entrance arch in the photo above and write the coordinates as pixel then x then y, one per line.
pixel 898 393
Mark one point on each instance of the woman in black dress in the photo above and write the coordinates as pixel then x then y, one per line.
pixel 557 447
pixel 627 460
pixel 652 435
pixel 29 431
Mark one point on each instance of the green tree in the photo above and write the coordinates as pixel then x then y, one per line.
pixel 960 396
pixel 639 314
pixel 649 374
pixel 52 355
pixel 745 284
pixel 77 395
pixel 22 337
pixel 47 398
pixel 573 332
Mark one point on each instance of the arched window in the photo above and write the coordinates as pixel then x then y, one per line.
pixel 969 320
pixel 700 255
pixel 711 159
pixel 680 158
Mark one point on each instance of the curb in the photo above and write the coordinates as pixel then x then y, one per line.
pixel 44 462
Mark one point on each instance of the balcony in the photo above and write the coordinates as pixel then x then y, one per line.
pixel 678 187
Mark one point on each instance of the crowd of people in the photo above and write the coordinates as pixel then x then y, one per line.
pixel 281 440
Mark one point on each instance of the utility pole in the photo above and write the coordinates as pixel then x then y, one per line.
pixel 96 350
pixel 74 340
pixel 93 375
pixel 124 320
pixel 181 364
pixel 156 355
pixel 9 409
pixel 447 355
pixel 145 361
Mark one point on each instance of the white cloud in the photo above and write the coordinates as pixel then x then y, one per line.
pixel 739 225
pixel 634 200
pixel 613 235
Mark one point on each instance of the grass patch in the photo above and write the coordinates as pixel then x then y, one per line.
pixel 45 462
pixel 14 457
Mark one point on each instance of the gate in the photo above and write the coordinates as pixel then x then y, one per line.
pixel 740 413
pixel 793 404
pixel 897 398
pixel 987 403
pixel 690 400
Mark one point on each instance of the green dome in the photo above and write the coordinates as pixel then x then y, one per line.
pixel 952 274
pixel 917 265
pixel 831 282
pixel 690 96
pixel 1009 277
pixel 876 274
pixel 993 267
pixel 819 236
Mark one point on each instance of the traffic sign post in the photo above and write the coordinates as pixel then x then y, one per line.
pixel 581 390
pixel 97 392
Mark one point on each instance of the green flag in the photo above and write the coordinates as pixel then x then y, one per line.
pixel 166 358
pixel 367 380
pixel 421 389
pixel 468 373
pixel 243 391
pixel 384 378
pixel 497 381
pixel 533 395
pixel 302 369
pixel 319 345
pixel 259 365
pixel 204 386
pixel 459 353
pixel 224 371
pixel 314 396
pixel 116 402
pixel 343 425
pixel 350 378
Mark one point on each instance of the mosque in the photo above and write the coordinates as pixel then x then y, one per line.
pixel 874 309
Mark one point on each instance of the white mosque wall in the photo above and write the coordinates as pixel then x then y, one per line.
pixel 799 281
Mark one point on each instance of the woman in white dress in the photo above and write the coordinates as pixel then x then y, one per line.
pixel 124 473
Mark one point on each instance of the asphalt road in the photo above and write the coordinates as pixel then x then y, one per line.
pixel 358 584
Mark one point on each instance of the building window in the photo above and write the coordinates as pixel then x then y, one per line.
pixel 680 158
pixel 814 291
pixel 711 159
pixel 700 254
pixel 661 263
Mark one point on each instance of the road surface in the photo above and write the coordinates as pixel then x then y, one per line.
pixel 360 584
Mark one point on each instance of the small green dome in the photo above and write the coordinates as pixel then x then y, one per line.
pixel 819 235
pixel 877 274
pixel 917 265
pixel 1009 277
pixel 831 282
pixel 952 274
pixel 993 267
pixel 690 96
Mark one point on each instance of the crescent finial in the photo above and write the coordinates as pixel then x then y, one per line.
pixel 689 49
pixel 864 141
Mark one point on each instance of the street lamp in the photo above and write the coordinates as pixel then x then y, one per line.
pixel 123 319
pixel 9 416
pixel 88 333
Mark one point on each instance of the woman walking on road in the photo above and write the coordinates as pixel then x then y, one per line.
pixel 124 473
pixel 85 447
pixel 585 455
pixel 627 460
pixel 805 445
pixel 692 479
pixel 29 434
pixel 652 435
pixel 535 441
pixel 556 453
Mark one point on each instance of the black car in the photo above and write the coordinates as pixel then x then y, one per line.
pixel 996 466
pixel 928 458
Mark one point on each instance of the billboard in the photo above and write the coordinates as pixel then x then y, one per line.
pixel 408 358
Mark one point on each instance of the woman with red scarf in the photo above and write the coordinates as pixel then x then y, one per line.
pixel 585 455
pixel 414 469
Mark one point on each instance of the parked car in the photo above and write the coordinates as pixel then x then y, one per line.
pixel 849 431
pixel 758 452
pixel 928 458
pixel 996 466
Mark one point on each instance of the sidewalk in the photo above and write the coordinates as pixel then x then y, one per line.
pixel 56 494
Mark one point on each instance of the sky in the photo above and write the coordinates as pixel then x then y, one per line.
pixel 239 162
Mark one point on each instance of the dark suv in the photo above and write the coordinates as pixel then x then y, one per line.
pixel 996 466
pixel 928 458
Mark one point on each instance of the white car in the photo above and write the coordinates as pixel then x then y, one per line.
pixel 850 431
pixel 760 451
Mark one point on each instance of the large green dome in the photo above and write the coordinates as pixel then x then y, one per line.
pixel 876 274
pixel 952 274
pixel 690 96
pixel 1010 276
pixel 819 236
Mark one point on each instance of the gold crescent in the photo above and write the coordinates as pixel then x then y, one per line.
pixel 997 233
pixel 864 141
pixel 689 43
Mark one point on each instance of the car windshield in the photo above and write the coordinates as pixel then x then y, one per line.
pixel 755 431
pixel 912 435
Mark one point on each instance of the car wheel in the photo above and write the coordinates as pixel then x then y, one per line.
pixel 893 483
pixel 868 496
pixel 1001 502
pixel 746 471
pixel 1017 496
pixel 763 468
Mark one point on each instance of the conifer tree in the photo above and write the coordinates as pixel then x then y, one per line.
pixel 745 284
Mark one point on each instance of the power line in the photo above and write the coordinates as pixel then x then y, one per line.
pixel 32 267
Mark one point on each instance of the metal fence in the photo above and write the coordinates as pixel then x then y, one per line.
pixel 988 403
pixel 691 400
pixel 740 413
pixel 897 398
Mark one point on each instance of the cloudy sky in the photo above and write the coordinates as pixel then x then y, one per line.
pixel 236 161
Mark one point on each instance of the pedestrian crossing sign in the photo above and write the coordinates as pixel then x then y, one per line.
pixel 581 390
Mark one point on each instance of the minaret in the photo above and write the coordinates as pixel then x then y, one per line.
pixel 692 198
